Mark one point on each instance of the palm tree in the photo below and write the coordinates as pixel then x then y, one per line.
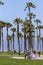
pixel 13 30
pixel 42 42
pixel 0 35
pixel 40 27
pixel 37 21
pixel 33 39
pixel 3 25
pixel 28 41
pixel 41 38
pixel 17 21
pixel 28 28
pixel 31 15
pixel 21 40
pixel 25 29
pixel 30 31
pixel 30 5
pixel 1 3
pixel 7 26
pixel 9 39
pixel 20 36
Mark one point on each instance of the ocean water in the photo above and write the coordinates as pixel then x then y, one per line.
pixel 21 45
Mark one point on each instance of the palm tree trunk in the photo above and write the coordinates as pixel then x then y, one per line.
pixel 21 43
pixel 30 38
pixel 18 37
pixel 37 38
pixel 0 38
pixel 42 44
pixel 7 41
pixel 11 45
pixel 24 42
pixel 29 16
pixel 30 43
pixel 33 43
pixel 2 41
pixel 8 46
pixel 37 44
pixel 13 41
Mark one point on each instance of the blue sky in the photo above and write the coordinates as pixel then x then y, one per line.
pixel 15 8
pixel 12 9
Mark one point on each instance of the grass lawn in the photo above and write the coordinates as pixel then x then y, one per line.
pixel 11 54
pixel 9 61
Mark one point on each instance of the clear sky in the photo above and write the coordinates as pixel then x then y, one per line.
pixel 15 8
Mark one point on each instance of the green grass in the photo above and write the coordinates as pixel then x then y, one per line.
pixel 9 61
pixel 10 54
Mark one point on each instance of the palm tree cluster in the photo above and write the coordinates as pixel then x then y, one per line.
pixel 28 29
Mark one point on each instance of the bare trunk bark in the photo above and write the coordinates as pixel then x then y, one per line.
pixel 0 38
pixel 18 37
pixel 2 41
pixel 7 41
pixel 13 41
pixel 24 42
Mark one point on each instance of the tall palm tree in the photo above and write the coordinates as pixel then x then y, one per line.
pixel 13 30
pixel 40 27
pixel 40 38
pixel 37 21
pixel 20 36
pixel 30 5
pixel 21 40
pixel 7 26
pixel 1 3
pixel 42 42
pixel 31 15
pixel 33 39
pixel 17 21
pixel 3 25
pixel 9 39
pixel 29 28
pixel 25 29
pixel 0 35
pixel 30 31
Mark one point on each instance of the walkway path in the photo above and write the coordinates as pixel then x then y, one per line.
pixel 40 58
pixel 19 57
